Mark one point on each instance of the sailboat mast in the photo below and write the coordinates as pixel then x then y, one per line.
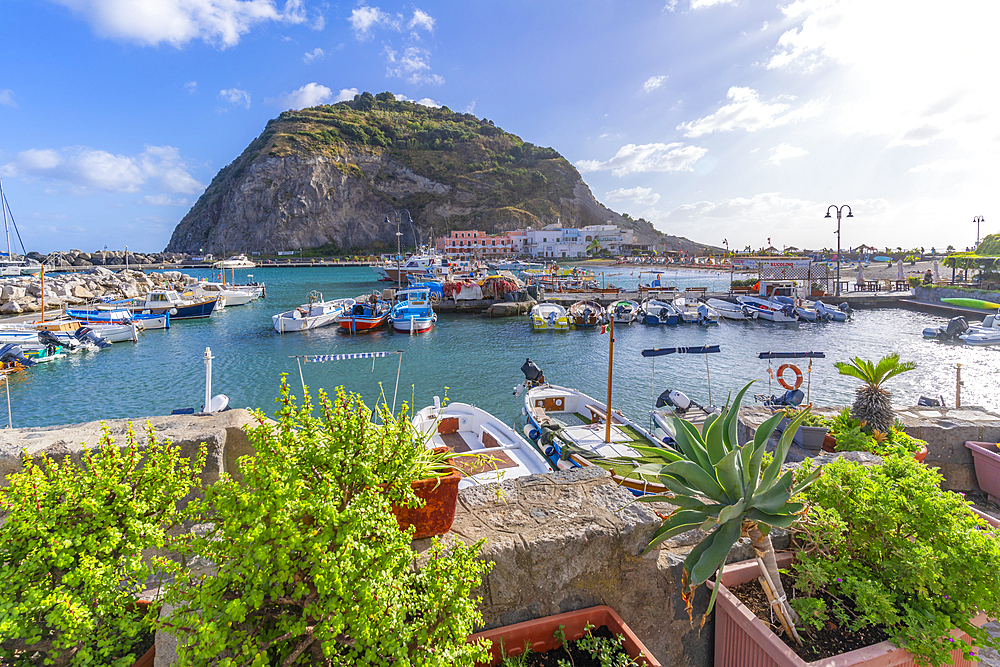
pixel 6 227
pixel 611 365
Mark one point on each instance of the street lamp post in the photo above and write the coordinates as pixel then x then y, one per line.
pixel 978 219
pixel 399 234
pixel 838 209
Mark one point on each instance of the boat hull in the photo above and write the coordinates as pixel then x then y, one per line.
pixel 413 324
pixel 286 321
pixel 354 323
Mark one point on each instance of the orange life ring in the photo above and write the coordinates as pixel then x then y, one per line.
pixel 798 376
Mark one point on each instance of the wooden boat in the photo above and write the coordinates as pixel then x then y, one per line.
pixel 413 314
pixel 586 313
pixel 365 315
pixel 549 316
pixel 570 428
pixel 314 314
pixel 467 429
pixel 624 311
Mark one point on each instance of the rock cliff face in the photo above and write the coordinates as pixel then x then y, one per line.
pixel 327 176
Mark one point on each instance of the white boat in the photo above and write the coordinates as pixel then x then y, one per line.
pixel 428 265
pixel 655 312
pixel 169 302
pixel 549 316
pixel 804 312
pixel 235 262
pixel 624 311
pixel 467 429
pixel 695 312
pixel 732 311
pixel 987 333
pixel 570 428
pixel 673 403
pixel 412 312
pixel 226 294
pixel 768 309
pixel 316 313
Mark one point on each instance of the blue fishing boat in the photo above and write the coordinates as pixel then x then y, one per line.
pixel 412 312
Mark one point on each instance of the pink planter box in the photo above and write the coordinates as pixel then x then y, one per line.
pixel 987 458
pixel 742 640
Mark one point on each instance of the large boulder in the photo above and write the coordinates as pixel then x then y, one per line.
pixel 11 308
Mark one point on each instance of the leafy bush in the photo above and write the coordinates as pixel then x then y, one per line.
pixel 71 549
pixel 907 555
pixel 853 436
pixel 312 565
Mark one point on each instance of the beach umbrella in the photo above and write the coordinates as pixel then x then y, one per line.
pixel 899 270
pixel 937 277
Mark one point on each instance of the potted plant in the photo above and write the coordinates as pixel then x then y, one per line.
pixel 71 550
pixel 881 546
pixel 811 432
pixel 872 403
pixel 850 435
pixel 986 456
pixel 817 290
pixel 311 566
pixel 553 632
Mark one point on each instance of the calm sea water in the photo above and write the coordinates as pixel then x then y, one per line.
pixel 477 359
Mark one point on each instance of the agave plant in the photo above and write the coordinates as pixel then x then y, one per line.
pixel 871 401
pixel 721 488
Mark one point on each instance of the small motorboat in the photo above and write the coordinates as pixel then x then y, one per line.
pixel 469 430
pixel 624 311
pixel 804 312
pixel 227 294
pixel 987 333
pixel 672 403
pixel 655 312
pixel 312 315
pixel 769 309
pixel 695 312
pixel 830 314
pixel 169 302
pixel 732 311
pixel 549 317
pixel 413 313
pixel 365 315
pixel 587 314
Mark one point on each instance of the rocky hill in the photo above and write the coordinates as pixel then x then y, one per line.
pixel 326 176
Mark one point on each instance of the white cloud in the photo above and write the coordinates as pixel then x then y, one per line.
pixel 87 169
pixel 647 157
pixel 191 87
pixel 747 112
pixel 177 22
pixel 315 54
pixel 783 152
pixel 700 4
pixel 653 82
pixel 164 200
pixel 639 195
pixel 364 19
pixel 411 65
pixel 345 94
pixel 945 166
pixel 236 96
pixel 421 21
pixel 7 97
pixel 424 101
pixel 308 95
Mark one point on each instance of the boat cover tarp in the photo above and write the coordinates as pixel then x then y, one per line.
pixel 792 355
pixel 660 351
pixel 345 357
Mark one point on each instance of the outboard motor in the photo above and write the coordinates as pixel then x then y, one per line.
pixel 12 353
pixel 675 400
pixel 930 402
pixel 664 315
pixel 845 307
pixel 49 340
pixel 88 335
pixel 533 376
pixel 951 331
pixel 792 397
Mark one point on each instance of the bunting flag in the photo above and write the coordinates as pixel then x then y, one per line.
pixel 604 328
pixel 319 358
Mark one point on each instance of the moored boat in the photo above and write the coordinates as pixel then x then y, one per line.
pixel 235 262
pixel 624 311
pixel 365 315
pixel 467 429
pixel 732 311
pixel 655 312
pixel 312 315
pixel 769 309
pixel 549 317
pixel 160 302
pixel 587 314
pixel 986 333
pixel 227 294
pixel 413 314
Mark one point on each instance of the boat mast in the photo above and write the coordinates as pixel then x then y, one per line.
pixel 6 227
pixel 611 364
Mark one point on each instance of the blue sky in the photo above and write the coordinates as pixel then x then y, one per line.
pixel 740 120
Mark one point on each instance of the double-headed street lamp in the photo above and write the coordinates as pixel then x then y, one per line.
pixel 978 219
pixel 838 209
pixel 399 251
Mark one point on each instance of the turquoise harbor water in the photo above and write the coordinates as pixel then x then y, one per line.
pixel 476 358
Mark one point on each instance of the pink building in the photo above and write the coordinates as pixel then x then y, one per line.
pixel 474 244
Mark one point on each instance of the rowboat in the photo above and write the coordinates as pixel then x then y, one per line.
pixel 549 316
pixel 467 429
pixel 316 313
pixel 365 315
pixel 413 314
pixel 586 313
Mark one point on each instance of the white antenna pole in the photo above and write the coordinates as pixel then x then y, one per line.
pixel 208 379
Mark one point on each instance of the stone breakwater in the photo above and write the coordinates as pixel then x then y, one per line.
pixel 23 294
pixel 78 258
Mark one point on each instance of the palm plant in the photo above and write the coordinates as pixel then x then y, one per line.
pixel 721 488
pixel 872 404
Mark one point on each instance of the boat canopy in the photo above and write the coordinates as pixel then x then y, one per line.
pixel 792 355
pixel 660 351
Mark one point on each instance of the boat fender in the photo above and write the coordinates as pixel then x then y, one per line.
pixel 794 369
pixel 564 465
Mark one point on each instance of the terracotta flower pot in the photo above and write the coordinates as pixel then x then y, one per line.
pixel 440 496
pixel 741 638
pixel 921 453
pixel 539 634
pixel 829 443
pixel 987 459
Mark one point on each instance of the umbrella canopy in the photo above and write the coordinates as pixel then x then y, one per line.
pixel 899 270
pixel 861 274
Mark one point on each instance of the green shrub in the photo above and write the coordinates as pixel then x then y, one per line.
pixel 71 549
pixel 907 555
pixel 312 567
